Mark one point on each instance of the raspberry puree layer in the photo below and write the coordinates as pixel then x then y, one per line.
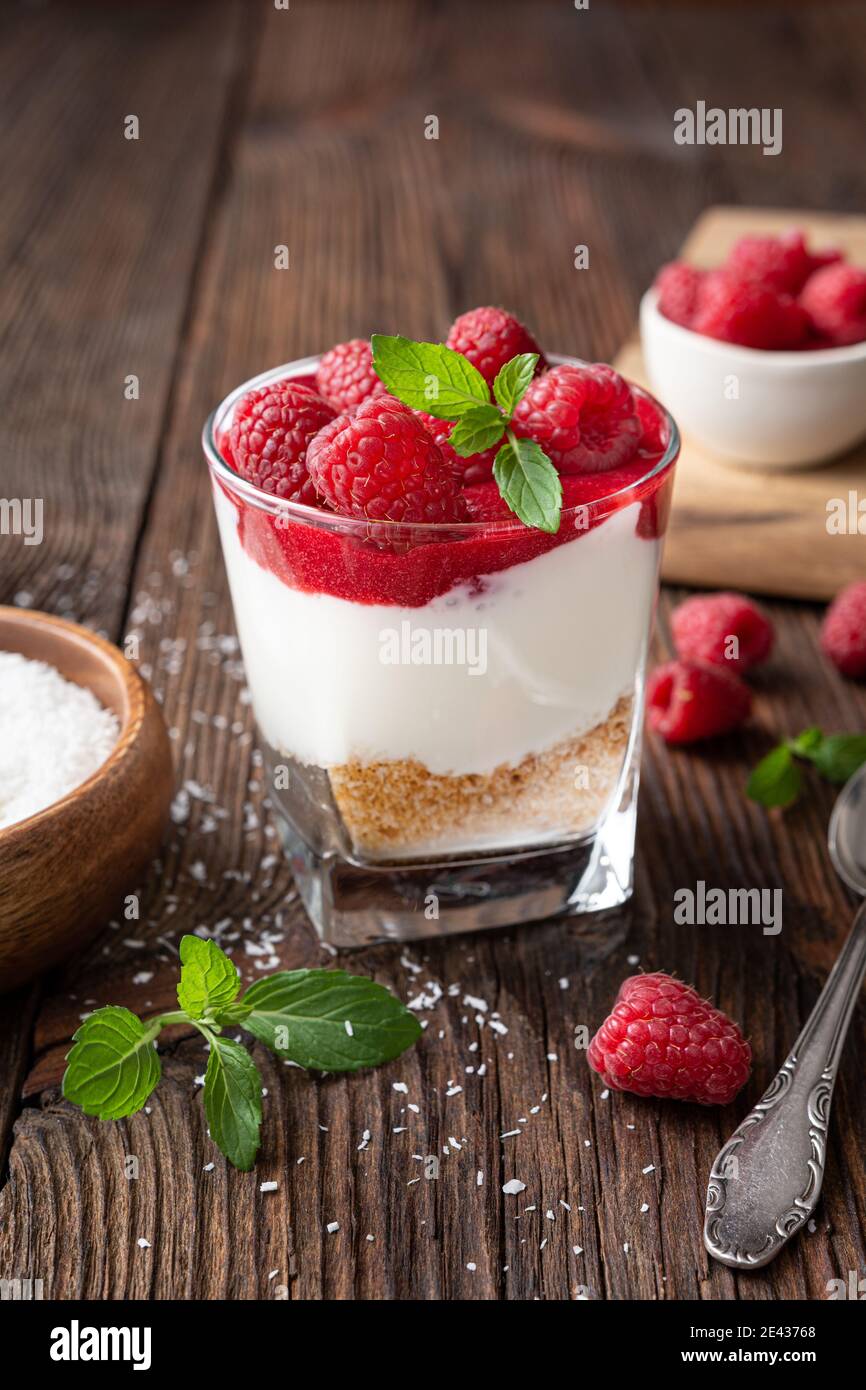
pixel 406 566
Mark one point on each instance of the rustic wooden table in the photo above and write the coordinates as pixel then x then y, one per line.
pixel 154 258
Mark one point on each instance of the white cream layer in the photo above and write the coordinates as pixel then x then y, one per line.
pixel 563 636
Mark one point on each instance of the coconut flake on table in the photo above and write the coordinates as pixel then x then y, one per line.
pixel 53 736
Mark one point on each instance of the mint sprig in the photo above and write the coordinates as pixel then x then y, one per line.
pixel 434 378
pixel 325 1020
pixel 778 778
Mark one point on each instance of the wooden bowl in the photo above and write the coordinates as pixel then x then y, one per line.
pixel 64 871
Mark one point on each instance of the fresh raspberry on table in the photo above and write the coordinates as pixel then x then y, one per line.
pixel 381 463
pixel 724 629
pixel 749 314
pixel 843 631
pixel 834 300
pixel 661 1039
pixel 781 262
pixel 691 700
pixel 678 284
pixel 584 418
pixel 345 375
pixel 270 435
pixel 489 338
pixel 478 468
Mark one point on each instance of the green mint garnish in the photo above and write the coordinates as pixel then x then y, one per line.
pixel 480 428
pixel 428 376
pixel 326 1020
pixel 233 1102
pixel 303 1014
pixel 778 780
pixel 529 483
pixel 513 380
pixel 434 378
pixel 113 1066
pixel 208 979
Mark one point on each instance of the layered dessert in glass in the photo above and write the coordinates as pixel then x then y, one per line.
pixel 449 698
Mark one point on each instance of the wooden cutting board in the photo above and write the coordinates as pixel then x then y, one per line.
pixel 761 531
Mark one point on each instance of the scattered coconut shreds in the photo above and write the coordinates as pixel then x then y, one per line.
pixel 479 1178
pixel 208 1168
pixel 650 1168
pixel 268 1186
pixel 577 1249
pixel 644 1206
pixel 273 1274
pixel 371 1238
pixel 564 983
pixel 348 1027
pixel 510 1133
pixel 332 1228
pixel 513 1187
pixel 400 1086
pixel 142 1243
pixel 605 1095
pixel 471 1267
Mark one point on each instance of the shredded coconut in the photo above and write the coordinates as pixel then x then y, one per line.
pixel 53 736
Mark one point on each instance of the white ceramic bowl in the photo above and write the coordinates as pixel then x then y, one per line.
pixel 755 408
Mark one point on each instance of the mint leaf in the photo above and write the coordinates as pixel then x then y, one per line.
pixel 512 381
pixel 838 756
pixel 208 979
pixel 529 483
pixel 235 1013
pixel 302 1014
pixel 428 376
pixel 112 1067
pixel 776 781
pixel 480 428
pixel 233 1101
pixel 806 742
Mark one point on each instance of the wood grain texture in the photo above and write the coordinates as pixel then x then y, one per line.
pixel 555 129
pixel 753 529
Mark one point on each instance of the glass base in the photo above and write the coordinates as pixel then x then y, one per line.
pixel 353 904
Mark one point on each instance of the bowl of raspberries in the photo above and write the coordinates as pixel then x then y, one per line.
pixel 762 359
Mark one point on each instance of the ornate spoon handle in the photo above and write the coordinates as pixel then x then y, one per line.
pixel 766 1180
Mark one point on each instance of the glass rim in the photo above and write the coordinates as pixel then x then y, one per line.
pixel 303 366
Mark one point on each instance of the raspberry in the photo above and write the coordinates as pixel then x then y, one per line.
pixel 478 468
pixel 489 338
pixel 843 631
pixel 704 625
pixel 345 375
pixel 382 464
pixel 690 700
pixel 747 313
pixel 678 285
pixel 584 418
pixel 662 1039
pixel 270 435
pixel 780 262
pixel 834 300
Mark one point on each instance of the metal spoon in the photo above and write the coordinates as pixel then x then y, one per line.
pixel 766 1180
